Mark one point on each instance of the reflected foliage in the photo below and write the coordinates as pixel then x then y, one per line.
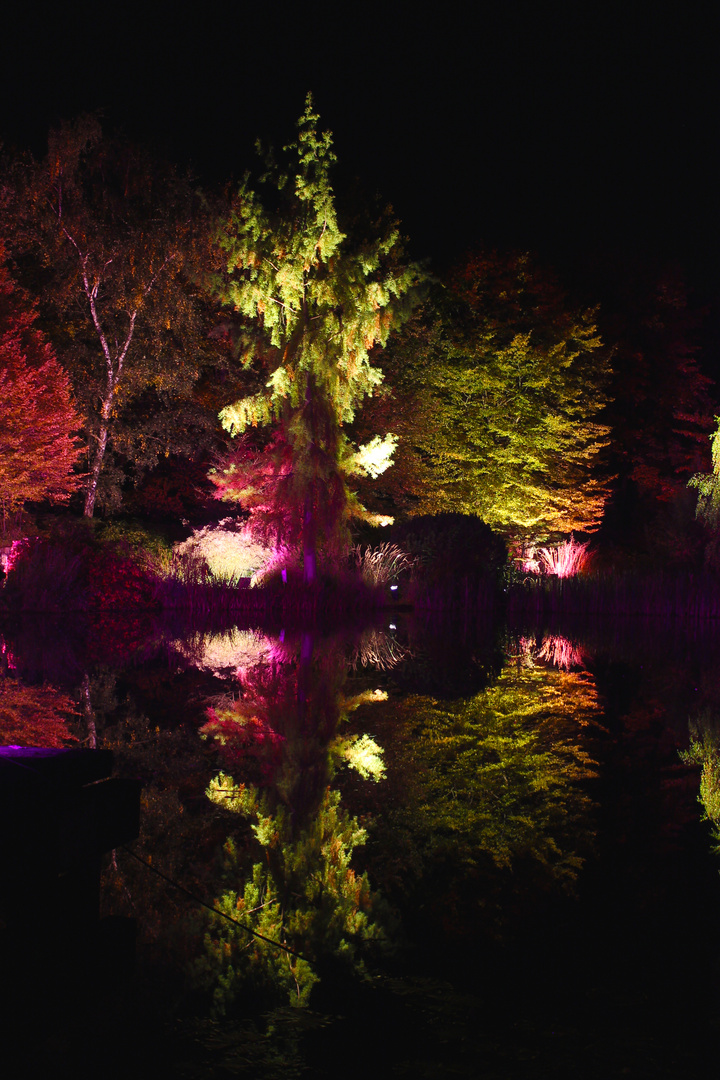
pixel 304 894
pixel 34 715
pixel 492 783
pixel 294 884
pixel 704 751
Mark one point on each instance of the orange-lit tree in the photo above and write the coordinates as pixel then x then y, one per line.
pixel 38 421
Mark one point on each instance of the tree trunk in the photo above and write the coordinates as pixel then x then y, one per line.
pixel 88 714
pixel 91 494
pixel 309 542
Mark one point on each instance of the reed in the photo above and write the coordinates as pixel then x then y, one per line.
pixel 203 596
pixel 681 595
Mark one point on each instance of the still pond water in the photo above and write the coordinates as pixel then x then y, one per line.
pixel 482 847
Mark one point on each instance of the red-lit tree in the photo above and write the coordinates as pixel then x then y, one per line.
pixel 37 416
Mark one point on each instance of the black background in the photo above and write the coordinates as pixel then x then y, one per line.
pixel 586 132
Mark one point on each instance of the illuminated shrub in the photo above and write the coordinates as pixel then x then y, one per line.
pixel 227 549
pixel 451 545
pixel 74 571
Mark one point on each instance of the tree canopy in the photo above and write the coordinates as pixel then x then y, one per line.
pixel 500 386
pixel 107 237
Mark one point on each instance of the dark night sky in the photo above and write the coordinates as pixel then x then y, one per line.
pixel 573 129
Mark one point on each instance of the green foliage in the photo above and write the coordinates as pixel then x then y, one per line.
pixel 501 774
pixel 303 894
pixel 704 750
pixel 362 754
pixel 499 388
pixel 314 303
pixel 708 502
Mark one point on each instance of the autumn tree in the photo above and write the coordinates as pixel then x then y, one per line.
pixel 501 776
pixel 108 239
pixel 500 387
pixel 34 715
pixel 314 302
pixel 38 421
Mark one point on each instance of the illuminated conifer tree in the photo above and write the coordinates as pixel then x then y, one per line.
pixel 314 304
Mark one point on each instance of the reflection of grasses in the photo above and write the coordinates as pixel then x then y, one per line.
pixel 688 596
pixel 554 649
pixel 378 649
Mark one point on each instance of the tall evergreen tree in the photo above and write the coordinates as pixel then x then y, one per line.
pixel 314 303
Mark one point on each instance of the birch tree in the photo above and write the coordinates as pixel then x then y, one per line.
pixel 112 235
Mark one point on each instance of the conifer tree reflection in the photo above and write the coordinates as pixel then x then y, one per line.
pixel 297 887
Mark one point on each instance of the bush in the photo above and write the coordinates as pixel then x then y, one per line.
pixel 452 546
pixel 71 569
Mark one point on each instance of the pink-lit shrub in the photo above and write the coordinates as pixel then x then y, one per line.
pixel 562 560
pixel 560 652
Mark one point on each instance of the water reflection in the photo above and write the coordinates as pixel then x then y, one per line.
pixel 398 806
pixel 294 883
pixel 704 750
pixel 34 715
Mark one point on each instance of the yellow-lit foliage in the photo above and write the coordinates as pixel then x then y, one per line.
pixel 303 894
pixel 503 774
pixel 704 750
pixel 499 390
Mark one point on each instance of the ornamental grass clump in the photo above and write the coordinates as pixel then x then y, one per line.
pixel 381 565
pixel 563 560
